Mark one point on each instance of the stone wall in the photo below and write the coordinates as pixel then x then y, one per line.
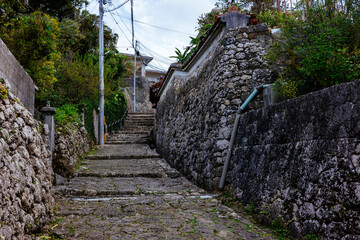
pixel 26 201
pixel 143 103
pixel 299 161
pixel 195 115
pixel 21 83
pixel 71 142
pixel 295 163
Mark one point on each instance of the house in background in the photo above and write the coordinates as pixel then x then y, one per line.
pixel 141 71
pixel 144 78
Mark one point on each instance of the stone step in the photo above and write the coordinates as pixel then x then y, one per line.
pixel 168 216
pixel 141 114
pixel 124 151
pixel 139 120
pixel 131 125
pixel 121 186
pixel 138 124
pixel 151 168
pixel 140 117
pixel 135 132
pixel 115 142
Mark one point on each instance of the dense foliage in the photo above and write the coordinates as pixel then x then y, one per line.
pixel 206 20
pixel 57 44
pixel 318 48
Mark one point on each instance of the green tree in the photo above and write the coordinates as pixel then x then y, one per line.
pixel 33 40
pixel 317 52
pixel 60 9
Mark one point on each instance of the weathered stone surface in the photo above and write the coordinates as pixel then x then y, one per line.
pixel 26 201
pixel 124 204
pixel 299 159
pixel 71 142
pixel 132 151
pixel 193 119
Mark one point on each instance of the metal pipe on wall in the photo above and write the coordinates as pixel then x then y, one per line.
pixel 234 131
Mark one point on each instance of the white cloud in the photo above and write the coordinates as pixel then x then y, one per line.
pixel 180 15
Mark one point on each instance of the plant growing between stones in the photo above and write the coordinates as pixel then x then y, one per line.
pixel 3 92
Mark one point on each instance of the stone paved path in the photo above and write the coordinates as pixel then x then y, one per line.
pixel 124 190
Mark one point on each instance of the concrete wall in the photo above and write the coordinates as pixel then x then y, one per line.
pixel 21 83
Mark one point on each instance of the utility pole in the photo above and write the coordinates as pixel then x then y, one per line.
pixel 101 66
pixel 101 72
pixel 135 55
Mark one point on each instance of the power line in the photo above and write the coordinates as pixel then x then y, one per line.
pixel 121 29
pixel 163 28
pixel 119 6
pixel 139 41
pixel 162 58
pixel 88 14
pixel 153 56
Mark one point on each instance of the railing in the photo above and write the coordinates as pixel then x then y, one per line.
pixel 113 126
pixel 37 114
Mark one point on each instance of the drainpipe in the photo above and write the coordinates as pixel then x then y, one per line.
pixel 234 131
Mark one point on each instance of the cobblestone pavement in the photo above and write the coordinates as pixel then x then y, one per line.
pixel 126 191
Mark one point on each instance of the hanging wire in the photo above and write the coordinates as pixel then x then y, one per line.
pixel 153 56
pixel 121 30
pixel 119 6
pixel 88 14
pixel 116 13
pixel 162 28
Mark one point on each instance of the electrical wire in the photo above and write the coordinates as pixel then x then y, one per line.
pixel 133 38
pixel 88 14
pixel 153 57
pixel 162 58
pixel 119 6
pixel 163 28
pixel 121 29
pixel 140 42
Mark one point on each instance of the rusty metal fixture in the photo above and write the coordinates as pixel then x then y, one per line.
pixel 233 8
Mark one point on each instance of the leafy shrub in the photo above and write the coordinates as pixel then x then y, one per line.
pixel 88 105
pixel 317 52
pixel 67 114
pixel 115 107
pixel 275 19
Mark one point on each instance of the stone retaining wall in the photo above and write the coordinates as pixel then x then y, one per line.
pixel 71 142
pixel 26 201
pixel 299 161
pixel 295 163
pixel 195 115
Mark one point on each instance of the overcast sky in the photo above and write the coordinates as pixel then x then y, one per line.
pixel 177 15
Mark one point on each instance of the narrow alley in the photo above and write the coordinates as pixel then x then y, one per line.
pixel 125 190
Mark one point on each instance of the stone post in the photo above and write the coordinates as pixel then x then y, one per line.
pixel 48 113
pixel 96 125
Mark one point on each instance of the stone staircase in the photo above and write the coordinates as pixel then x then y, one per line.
pixel 135 130
pixel 125 190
